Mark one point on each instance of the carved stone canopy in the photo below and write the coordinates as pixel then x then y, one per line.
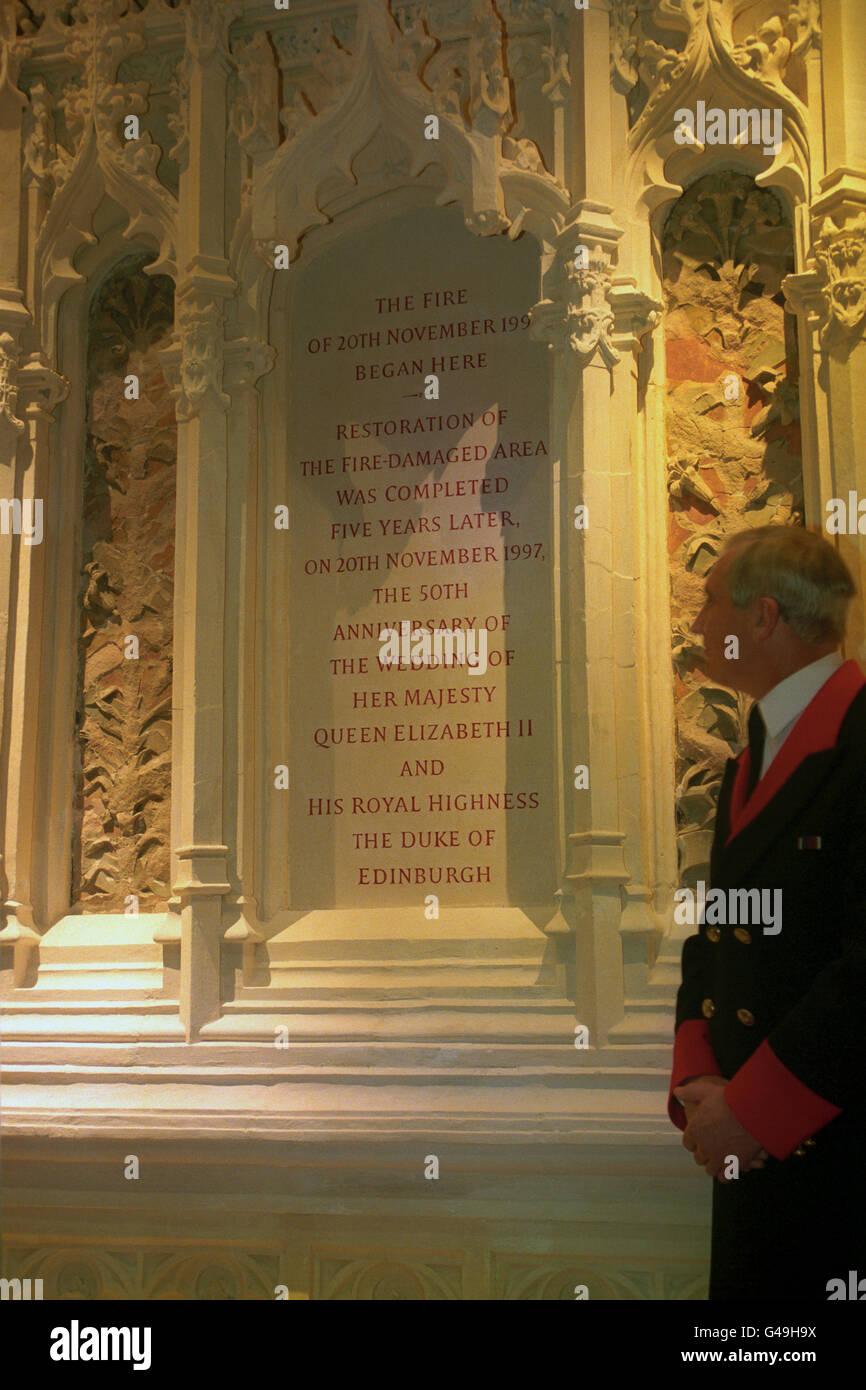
pixel 709 56
pixel 501 183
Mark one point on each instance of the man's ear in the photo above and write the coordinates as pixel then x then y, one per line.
pixel 768 617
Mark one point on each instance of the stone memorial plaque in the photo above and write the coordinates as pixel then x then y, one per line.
pixel 421 611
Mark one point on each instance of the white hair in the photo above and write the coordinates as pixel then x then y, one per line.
pixel 801 570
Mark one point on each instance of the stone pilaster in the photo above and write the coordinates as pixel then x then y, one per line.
pixel 11 430
pixel 32 899
pixel 14 549
pixel 246 362
pixel 829 293
pixel 12 103
pixel 577 321
pixel 198 832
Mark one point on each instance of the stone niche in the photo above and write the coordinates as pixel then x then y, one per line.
pixel 123 714
pixel 733 444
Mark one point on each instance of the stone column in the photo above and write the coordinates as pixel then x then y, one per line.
pixel 203 285
pixel 596 564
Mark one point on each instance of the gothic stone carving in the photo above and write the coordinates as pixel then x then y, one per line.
pixel 715 56
pixel 254 110
pixel 125 701
pixel 9 383
pixel 732 439
pixel 200 336
pixel 711 34
pixel 497 182
pixel 591 311
pixel 840 252
pixel 98 159
pixel 580 317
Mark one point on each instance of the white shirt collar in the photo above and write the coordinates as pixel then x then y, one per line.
pixel 787 700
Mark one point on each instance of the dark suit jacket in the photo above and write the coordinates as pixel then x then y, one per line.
pixel 784 1015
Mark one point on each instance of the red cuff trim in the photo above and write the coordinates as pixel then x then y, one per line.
pixel 774 1105
pixel 693 1056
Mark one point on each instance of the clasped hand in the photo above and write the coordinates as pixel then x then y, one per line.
pixel 713 1133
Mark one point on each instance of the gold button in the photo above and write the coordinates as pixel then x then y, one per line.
pixel 708 1008
pixel 745 1017
pixel 800 1151
pixel 810 1143
pixel 713 933
pixel 742 935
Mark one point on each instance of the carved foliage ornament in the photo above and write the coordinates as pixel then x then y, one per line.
pixel 841 255
pixel 207 26
pixel 554 56
pixel 591 311
pixel 707 26
pixel 589 318
pixel 39 140
pixel 832 290
pixel 13 51
pixel 123 713
pixel 178 116
pixel 8 383
pixel 200 331
pixel 254 109
pixel 490 102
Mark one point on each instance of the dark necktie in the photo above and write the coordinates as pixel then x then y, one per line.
pixel 757 734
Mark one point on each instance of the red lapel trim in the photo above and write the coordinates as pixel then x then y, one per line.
pixel 815 731
pixel 738 793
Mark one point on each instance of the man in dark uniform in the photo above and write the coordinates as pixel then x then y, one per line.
pixel 769 1060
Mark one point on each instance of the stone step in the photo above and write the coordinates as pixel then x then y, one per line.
pixel 56 977
pixel 358 978
pixel 525 1068
pixel 636 1028
pixel 658 1003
